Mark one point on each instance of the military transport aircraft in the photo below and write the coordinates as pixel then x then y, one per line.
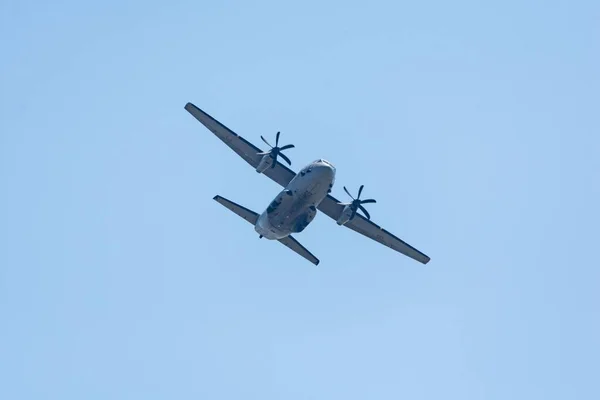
pixel 304 193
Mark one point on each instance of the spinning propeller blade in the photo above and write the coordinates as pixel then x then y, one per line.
pixel 276 151
pixel 357 203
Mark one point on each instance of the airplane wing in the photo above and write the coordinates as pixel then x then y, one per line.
pixel 371 230
pixel 249 152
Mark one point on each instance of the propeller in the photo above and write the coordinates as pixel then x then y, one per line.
pixel 357 203
pixel 276 151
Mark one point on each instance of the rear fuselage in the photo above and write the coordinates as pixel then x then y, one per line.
pixel 296 206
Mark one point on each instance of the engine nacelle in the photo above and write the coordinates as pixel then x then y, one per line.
pixel 265 163
pixel 346 215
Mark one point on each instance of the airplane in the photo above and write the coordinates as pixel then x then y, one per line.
pixel 305 192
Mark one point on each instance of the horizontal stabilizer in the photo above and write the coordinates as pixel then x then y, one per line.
pixel 293 244
pixel 243 212
pixel 252 217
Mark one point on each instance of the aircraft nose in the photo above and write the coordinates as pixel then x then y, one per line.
pixel 326 170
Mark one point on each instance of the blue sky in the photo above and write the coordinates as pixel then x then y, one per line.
pixel 474 126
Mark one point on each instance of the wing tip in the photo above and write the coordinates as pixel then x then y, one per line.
pixel 193 109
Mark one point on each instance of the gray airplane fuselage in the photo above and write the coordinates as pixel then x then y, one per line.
pixel 296 206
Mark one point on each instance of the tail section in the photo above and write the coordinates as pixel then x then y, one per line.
pixel 243 212
pixel 252 217
pixel 293 244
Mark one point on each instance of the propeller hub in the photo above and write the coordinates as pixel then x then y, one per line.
pixel 277 151
pixel 357 203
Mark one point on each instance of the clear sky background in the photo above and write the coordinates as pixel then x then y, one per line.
pixel 475 126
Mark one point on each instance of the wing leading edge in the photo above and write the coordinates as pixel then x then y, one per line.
pixel 249 152
pixel 371 230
